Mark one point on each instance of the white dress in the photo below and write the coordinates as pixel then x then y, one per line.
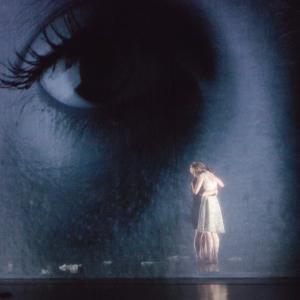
pixel 210 215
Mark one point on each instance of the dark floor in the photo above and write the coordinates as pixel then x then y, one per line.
pixel 252 289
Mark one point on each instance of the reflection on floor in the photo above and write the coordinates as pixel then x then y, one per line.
pixel 213 291
pixel 273 289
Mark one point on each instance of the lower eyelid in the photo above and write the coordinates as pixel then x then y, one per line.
pixel 70 119
pixel 62 85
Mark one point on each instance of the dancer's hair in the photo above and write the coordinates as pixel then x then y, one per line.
pixel 198 167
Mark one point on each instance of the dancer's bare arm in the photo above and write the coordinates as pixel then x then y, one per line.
pixel 218 180
pixel 210 193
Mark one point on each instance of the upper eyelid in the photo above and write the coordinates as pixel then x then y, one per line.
pixel 193 37
pixel 70 25
pixel 60 38
pixel 47 23
pixel 43 52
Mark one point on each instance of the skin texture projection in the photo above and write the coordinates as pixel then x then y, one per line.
pixel 105 104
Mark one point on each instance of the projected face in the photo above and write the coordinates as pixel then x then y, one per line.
pixel 103 108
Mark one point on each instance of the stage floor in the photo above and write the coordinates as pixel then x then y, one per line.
pixel 237 289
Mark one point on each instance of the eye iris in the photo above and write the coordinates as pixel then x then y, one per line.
pixel 105 69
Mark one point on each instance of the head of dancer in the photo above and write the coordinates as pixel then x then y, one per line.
pixel 196 168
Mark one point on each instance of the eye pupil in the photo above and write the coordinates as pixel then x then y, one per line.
pixel 104 71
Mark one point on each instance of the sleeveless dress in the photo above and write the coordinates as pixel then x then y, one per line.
pixel 210 216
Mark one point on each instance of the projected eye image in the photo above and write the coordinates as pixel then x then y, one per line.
pixel 148 139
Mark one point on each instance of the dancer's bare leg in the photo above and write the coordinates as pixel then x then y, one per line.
pixel 216 241
pixel 200 249
pixel 202 245
pixel 210 247
pixel 197 238
pixel 207 247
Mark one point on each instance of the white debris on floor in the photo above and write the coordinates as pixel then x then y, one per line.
pixel 73 268
pixel 146 263
pixel 45 272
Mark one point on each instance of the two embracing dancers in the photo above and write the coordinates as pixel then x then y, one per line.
pixel 207 216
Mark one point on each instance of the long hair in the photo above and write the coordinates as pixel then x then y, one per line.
pixel 199 167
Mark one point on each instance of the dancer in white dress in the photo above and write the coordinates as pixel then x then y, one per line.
pixel 210 221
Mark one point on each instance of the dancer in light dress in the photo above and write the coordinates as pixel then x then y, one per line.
pixel 209 223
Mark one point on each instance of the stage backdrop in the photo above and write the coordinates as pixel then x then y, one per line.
pixel 103 107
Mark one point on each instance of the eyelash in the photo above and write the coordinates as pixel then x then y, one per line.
pixel 28 68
